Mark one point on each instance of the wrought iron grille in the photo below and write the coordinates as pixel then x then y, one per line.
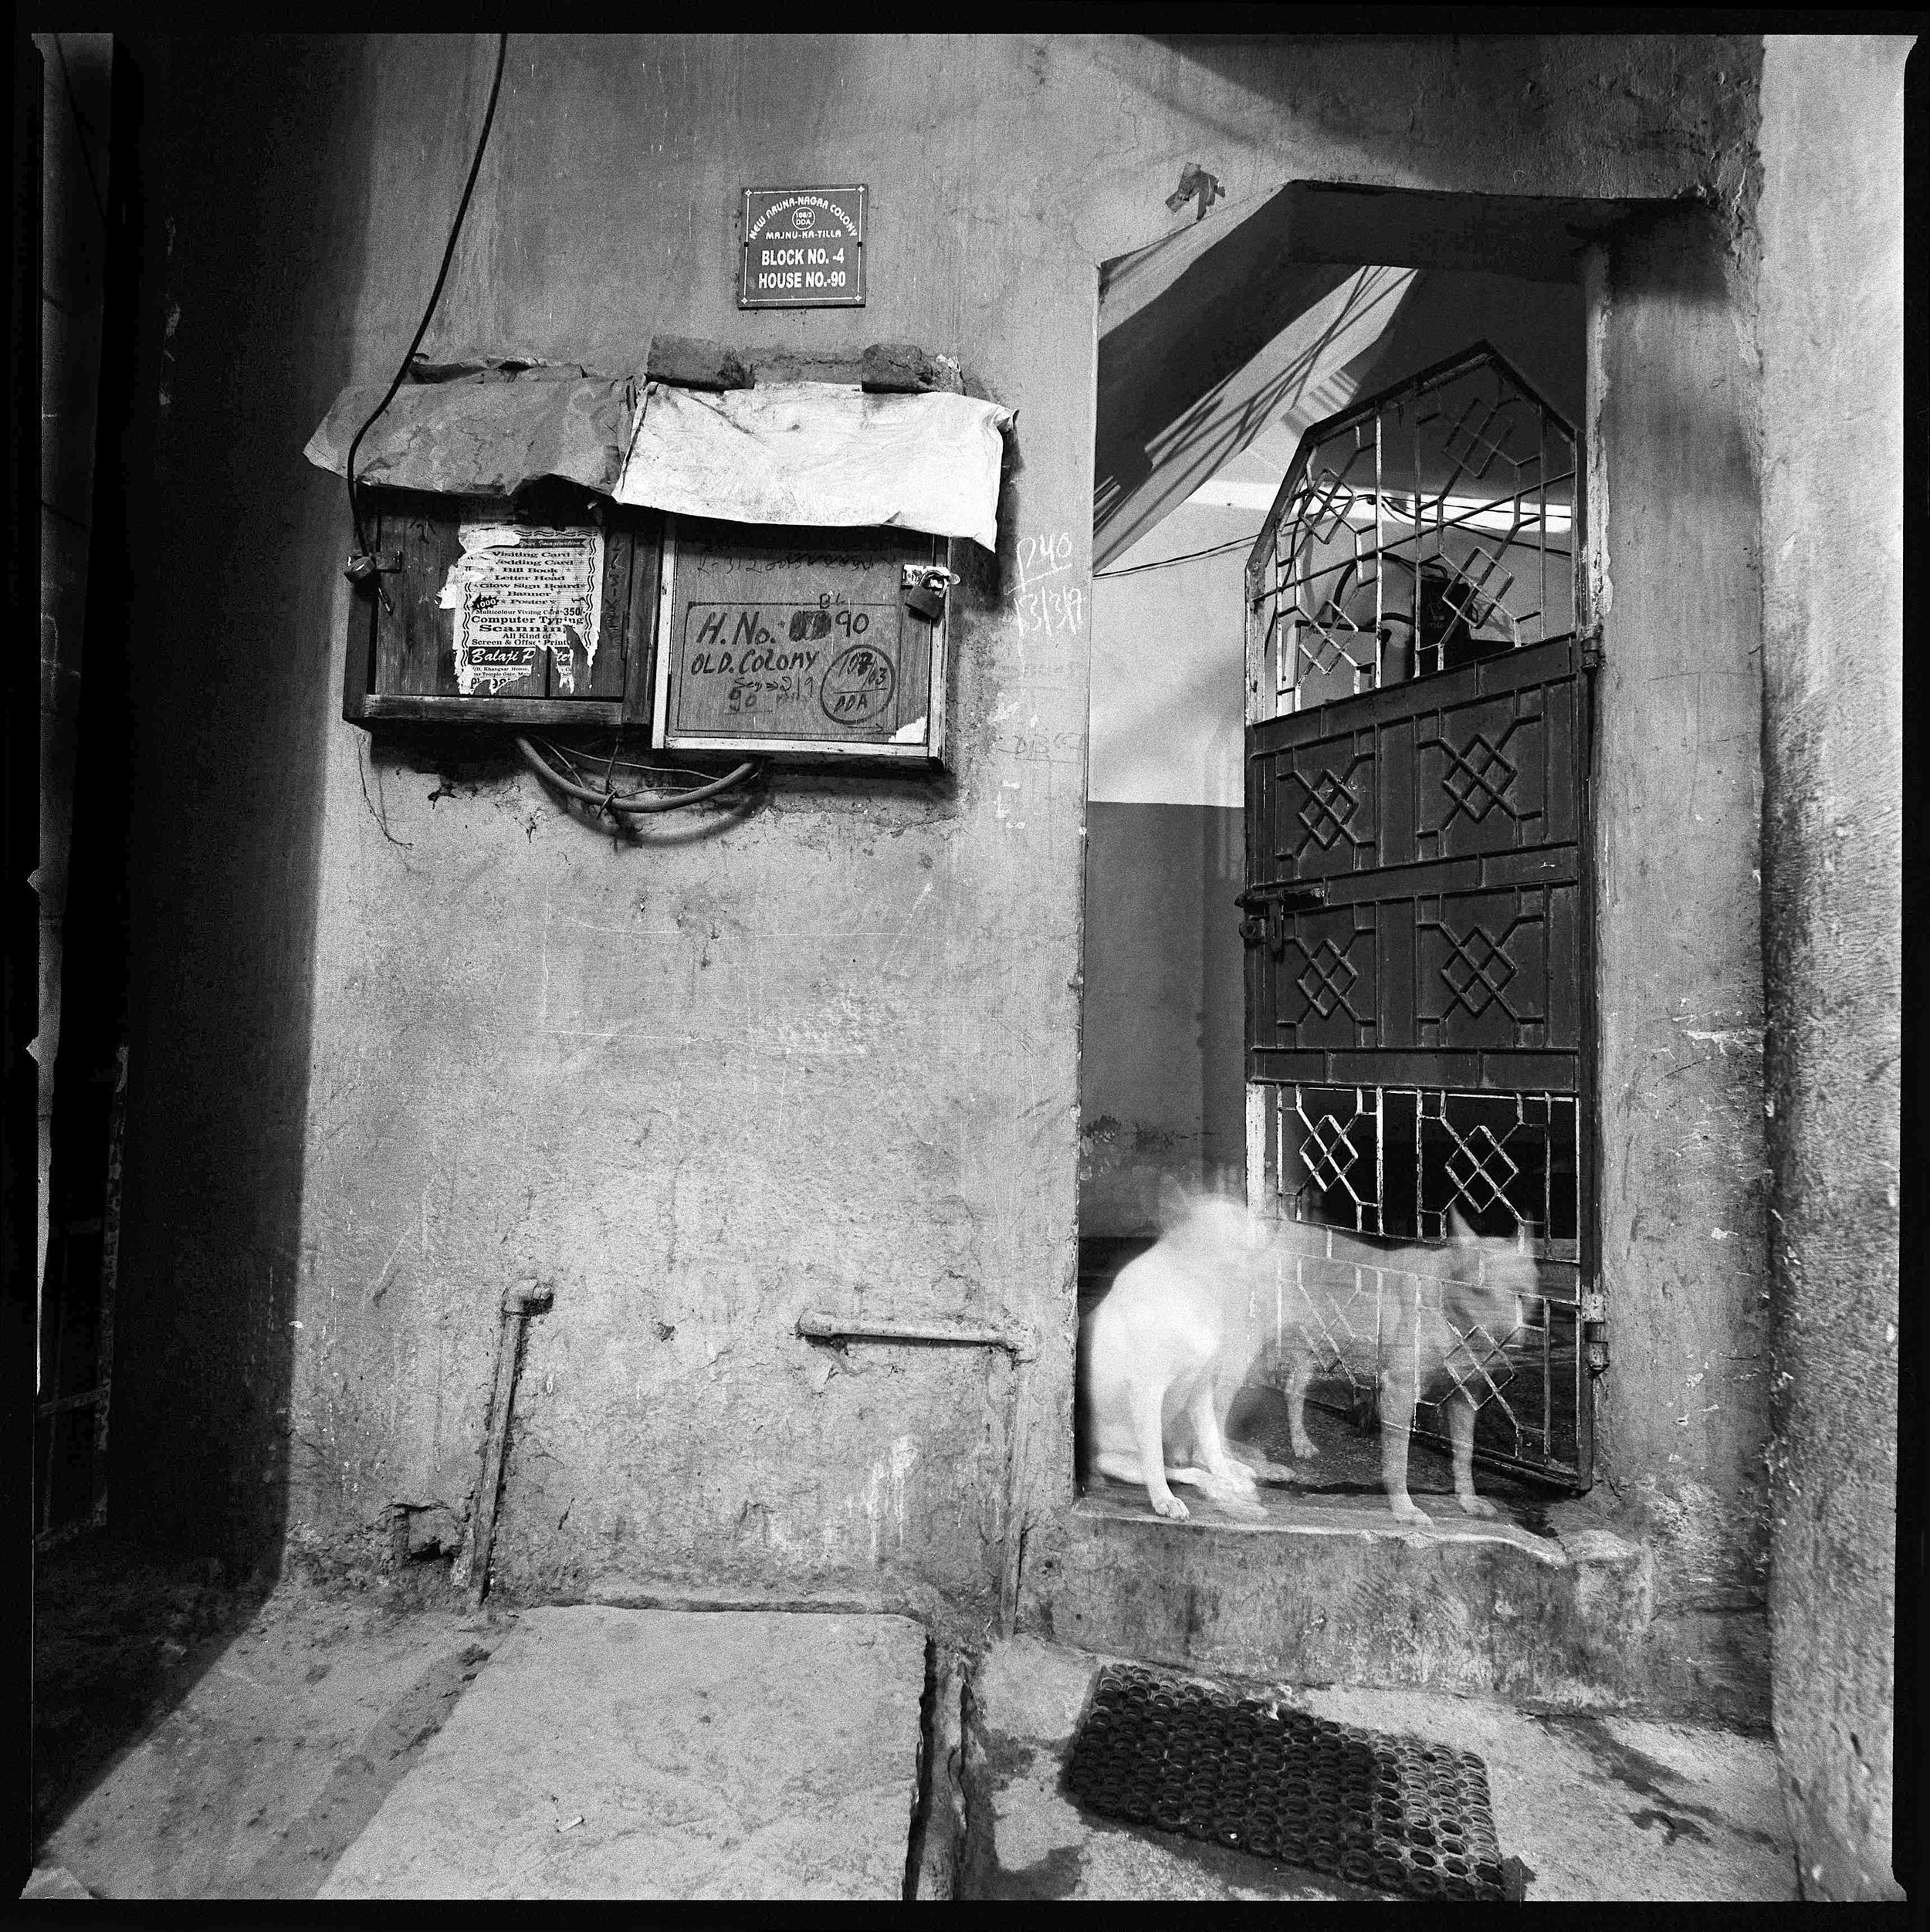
pixel 1417 733
pixel 1375 1167
pixel 1392 1161
pixel 1427 527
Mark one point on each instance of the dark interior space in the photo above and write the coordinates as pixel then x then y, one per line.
pixel 71 1434
pixel 239 188
pixel 19 989
pixel 157 1539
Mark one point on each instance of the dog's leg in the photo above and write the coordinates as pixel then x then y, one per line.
pixel 1148 1399
pixel 1460 1433
pixel 1208 1440
pixel 1397 1398
pixel 1229 1483
pixel 1300 1373
pixel 1123 1468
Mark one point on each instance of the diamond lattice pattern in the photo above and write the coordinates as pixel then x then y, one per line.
pixel 1328 979
pixel 1477 972
pixel 1478 778
pixel 1330 806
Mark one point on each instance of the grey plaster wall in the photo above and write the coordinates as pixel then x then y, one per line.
pixel 1832 342
pixel 1674 535
pixel 411 1035
pixel 1160 1085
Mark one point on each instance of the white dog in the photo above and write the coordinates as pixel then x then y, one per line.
pixel 1407 1319
pixel 1164 1353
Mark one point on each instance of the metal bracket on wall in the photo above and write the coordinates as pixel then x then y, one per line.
pixel 1021 1344
pixel 1590 640
pixel 1595 1330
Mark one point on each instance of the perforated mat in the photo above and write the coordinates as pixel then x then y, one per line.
pixel 1259 1776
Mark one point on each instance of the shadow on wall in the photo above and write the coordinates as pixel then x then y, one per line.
pixel 254 207
pixel 247 208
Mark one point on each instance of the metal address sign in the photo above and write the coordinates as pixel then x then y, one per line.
pixel 803 247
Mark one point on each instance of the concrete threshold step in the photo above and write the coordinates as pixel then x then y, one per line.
pixel 610 1753
pixel 1331 1589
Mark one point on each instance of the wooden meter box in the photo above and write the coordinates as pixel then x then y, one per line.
pixel 537 612
pixel 799 642
pixel 568 609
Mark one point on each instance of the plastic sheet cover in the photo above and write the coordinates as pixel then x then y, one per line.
pixel 486 434
pixel 820 454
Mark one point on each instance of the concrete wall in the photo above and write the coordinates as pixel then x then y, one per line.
pixel 1160 1047
pixel 408 1034
pixel 1160 1085
pixel 1681 1415
pixel 1832 342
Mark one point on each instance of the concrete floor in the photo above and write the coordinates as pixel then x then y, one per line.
pixel 1592 1808
pixel 242 1745
pixel 243 1761
pixel 610 1753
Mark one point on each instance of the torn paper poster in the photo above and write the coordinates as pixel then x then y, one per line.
pixel 819 454
pixel 518 591
pixel 483 435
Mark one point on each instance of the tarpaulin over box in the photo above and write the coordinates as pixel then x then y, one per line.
pixel 484 434
pixel 821 454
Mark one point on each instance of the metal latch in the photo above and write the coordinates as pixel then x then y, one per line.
pixel 924 589
pixel 368 568
pixel 1274 904
pixel 362 567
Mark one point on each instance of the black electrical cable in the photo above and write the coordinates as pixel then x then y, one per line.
pixel 632 802
pixel 82 131
pixel 435 295
pixel 1185 556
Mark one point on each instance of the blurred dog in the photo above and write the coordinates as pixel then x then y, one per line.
pixel 1162 1356
pixel 1441 1313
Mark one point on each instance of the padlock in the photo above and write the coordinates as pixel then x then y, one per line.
pixel 925 588
pixel 361 568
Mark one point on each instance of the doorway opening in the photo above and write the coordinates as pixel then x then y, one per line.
pixel 1217 357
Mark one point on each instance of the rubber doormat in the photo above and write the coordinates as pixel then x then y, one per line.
pixel 1258 1776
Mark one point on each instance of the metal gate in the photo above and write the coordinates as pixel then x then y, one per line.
pixel 1418 946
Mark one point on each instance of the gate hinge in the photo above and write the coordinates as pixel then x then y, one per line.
pixel 1595 1332
pixel 1590 640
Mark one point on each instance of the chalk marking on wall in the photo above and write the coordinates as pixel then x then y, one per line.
pixel 1046 611
pixel 543 1001
pixel 1051 612
pixel 381 1280
pixel 1039 557
pixel 885 1493
pixel 889 956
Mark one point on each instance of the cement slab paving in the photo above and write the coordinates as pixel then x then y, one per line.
pixel 608 1753
pixel 1596 1808
pixel 258 1778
